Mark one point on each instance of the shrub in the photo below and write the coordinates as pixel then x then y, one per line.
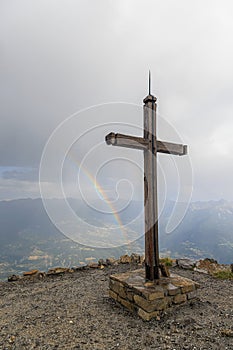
pixel 223 274
pixel 167 261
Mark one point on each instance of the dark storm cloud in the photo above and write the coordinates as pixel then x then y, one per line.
pixel 59 56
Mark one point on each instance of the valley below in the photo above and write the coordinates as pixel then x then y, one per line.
pixel 29 240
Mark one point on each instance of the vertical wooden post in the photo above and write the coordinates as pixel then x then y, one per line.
pixel 150 146
pixel 150 191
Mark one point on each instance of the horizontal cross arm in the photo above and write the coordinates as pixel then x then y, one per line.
pixel 135 142
pixel 171 148
pixel 126 141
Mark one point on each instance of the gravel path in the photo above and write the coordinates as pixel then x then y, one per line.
pixel 74 311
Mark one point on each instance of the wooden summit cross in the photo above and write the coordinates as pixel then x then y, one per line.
pixel 150 145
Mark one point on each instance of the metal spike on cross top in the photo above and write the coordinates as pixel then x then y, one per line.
pixel 150 146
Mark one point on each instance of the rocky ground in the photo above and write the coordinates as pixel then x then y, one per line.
pixel 73 311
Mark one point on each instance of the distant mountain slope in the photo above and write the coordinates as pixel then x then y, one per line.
pixel 28 239
pixel 206 231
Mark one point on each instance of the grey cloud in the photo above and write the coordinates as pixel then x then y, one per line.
pixel 21 174
pixel 59 56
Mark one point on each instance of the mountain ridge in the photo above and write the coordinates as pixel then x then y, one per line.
pixel 29 239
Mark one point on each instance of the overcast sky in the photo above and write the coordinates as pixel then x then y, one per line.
pixel 61 56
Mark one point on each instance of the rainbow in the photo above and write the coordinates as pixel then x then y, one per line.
pixel 101 192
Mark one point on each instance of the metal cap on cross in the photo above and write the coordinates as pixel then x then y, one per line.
pixel 150 146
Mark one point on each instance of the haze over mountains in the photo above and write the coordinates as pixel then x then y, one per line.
pixel 28 239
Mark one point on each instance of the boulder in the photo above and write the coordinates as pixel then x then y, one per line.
pixel 210 266
pixel 125 259
pixel 227 332
pixel 13 278
pixel 94 265
pixel 187 264
pixel 59 271
pixel 102 262
pixel 132 259
pixel 135 258
pixel 111 261
pixel 31 273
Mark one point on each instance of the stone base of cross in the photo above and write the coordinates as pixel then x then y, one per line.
pixel 150 145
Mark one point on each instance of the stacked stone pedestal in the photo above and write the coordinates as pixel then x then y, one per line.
pixel 150 299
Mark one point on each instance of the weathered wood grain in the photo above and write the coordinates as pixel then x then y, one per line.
pixel 151 146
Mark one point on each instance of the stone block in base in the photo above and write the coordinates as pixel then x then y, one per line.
pixel 149 299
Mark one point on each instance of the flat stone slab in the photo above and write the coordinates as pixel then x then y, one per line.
pixel 148 299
